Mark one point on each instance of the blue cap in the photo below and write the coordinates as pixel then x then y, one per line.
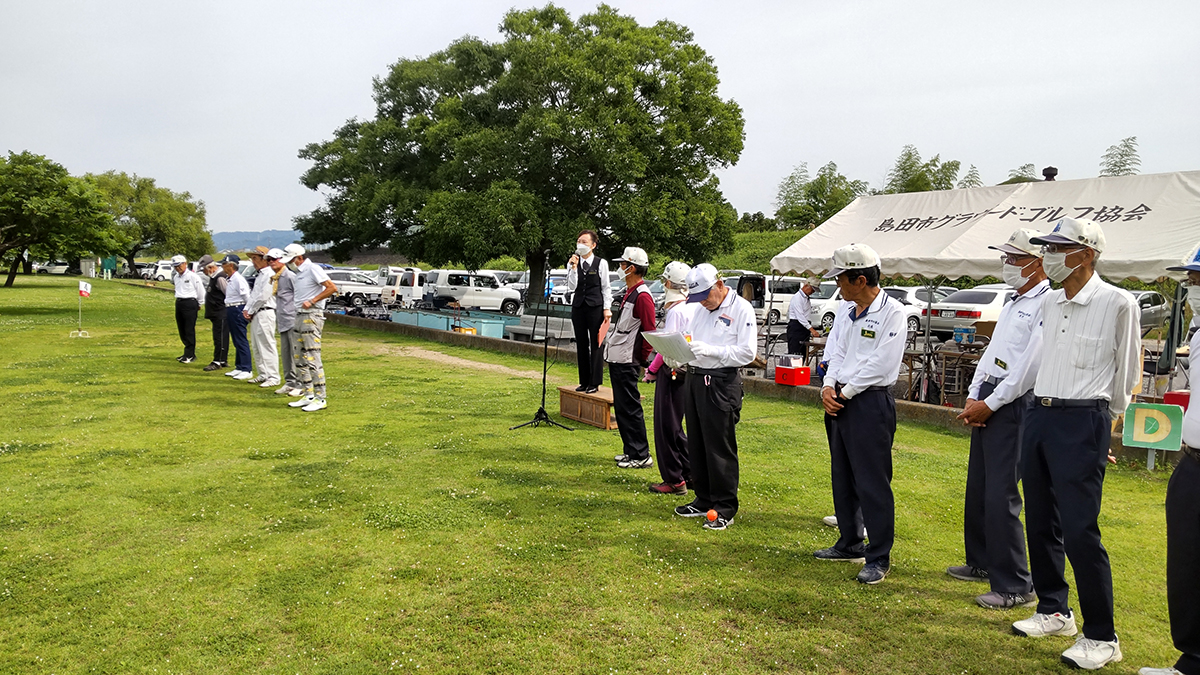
pixel 1191 263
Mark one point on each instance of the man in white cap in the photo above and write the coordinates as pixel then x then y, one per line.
pixel 670 442
pixel 312 286
pixel 861 414
pixel 237 293
pixel 627 352
pixel 1091 360
pixel 799 326
pixel 260 312
pixel 724 338
pixel 997 401
pixel 1183 517
pixel 283 281
pixel 189 295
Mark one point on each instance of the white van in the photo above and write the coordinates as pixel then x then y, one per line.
pixel 403 286
pixel 478 290
pixel 777 298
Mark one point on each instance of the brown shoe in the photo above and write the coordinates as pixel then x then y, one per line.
pixel 679 488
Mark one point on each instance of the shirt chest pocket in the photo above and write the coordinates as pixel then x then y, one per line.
pixel 1088 353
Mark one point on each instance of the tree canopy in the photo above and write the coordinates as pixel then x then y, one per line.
pixel 45 210
pixel 152 218
pixel 804 202
pixel 509 148
pixel 910 174
pixel 1121 159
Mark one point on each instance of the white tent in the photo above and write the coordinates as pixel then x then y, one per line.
pixel 1149 222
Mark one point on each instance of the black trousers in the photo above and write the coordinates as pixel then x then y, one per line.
pixel 627 405
pixel 186 310
pixel 587 321
pixel 993 534
pixel 1066 451
pixel 220 336
pixel 670 442
pixel 712 407
pixel 860 454
pixel 1183 559
pixel 797 337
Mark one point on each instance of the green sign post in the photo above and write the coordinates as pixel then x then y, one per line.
pixel 1153 426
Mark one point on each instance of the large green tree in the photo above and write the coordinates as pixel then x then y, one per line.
pixel 509 148
pixel 152 218
pixel 911 174
pixel 1121 159
pixel 45 210
pixel 804 202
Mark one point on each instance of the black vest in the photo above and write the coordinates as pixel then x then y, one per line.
pixel 588 290
pixel 214 300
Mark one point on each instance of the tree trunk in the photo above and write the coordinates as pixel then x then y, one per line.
pixel 536 292
pixel 12 271
pixel 28 264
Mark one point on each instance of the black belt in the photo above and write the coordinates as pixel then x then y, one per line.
pixel 1194 452
pixel 878 387
pixel 1051 402
pixel 709 371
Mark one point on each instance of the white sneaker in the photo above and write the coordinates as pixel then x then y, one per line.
pixel 1041 625
pixel 296 392
pixel 267 384
pixel 258 380
pixel 243 376
pixel 317 404
pixel 1159 671
pixel 830 521
pixel 1092 654
pixel 233 373
pixel 300 403
pixel 283 390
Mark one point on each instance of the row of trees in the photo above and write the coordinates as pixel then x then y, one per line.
pixel 803 202
pixel 46 213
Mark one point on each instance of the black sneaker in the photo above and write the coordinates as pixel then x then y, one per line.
pixel 180 358
pixel 212 366
pixel 998 600
pixel 873 573
pixel 581 387
pixel 837 555
pixel 690 511
pixel 967 573
pixel 718 524
pixel 187 359
pixel 631 463
pixel 591 390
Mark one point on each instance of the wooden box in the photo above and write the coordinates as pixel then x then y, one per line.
pixel 594 409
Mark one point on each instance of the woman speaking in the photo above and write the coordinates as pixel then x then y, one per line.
pixel 587 278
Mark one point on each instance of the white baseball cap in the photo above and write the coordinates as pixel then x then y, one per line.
pixel 178 260
pixel 675 278
pixel 1190 262
pixel 852 257
pixel 1020 244
pixel 275 254
pixel 291 251
pixel 700 281
pixel 634 256
pixel 1073 231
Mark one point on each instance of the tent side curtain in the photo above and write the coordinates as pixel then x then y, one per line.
pixel 1149 222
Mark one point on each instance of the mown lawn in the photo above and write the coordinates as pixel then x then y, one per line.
pixel 156 518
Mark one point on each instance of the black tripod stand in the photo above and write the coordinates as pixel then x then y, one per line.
pixel 541 416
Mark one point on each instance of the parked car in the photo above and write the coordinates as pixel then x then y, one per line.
pixel 159 271
pixel 52 267
pixel 475 291
pixel 778 297
pixel 967 307
pixel 356 287
pixel 402 287
pixel 914 299
pixel 1155 309
pixel 823 303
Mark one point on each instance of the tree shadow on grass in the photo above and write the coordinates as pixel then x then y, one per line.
pixel 26 310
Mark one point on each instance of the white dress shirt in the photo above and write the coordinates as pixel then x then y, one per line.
pixel 730 331
pixel 1191 418
pixel 799 308
pixel 1015 350
pixel 1091 345
pixel 188 285
pixel 263 295
pixel 679 320
pixel 605 284
pixel 872 347
pixel 237 290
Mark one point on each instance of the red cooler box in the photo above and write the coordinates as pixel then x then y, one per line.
pixel 1179 398
pixel 791 376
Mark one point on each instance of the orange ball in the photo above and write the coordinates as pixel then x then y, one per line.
pixel 711 515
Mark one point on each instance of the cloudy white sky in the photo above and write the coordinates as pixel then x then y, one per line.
pixel 216 97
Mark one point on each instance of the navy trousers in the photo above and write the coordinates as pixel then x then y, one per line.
pixel 992 531
pixel 237 332
pixel 1066 452
pixel 713 406
pixel 1183 559
pixel 860 455
pixel 670 442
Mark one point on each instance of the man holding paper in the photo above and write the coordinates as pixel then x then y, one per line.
pixel 724 338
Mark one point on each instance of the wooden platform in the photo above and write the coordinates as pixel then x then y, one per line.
pixel 594 409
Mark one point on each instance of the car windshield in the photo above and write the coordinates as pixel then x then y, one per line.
pixel 657 287
pixel 825 291
pixel 897 293
pixel 971 297
pixel 785 286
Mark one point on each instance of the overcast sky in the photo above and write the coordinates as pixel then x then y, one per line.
pixel 217 97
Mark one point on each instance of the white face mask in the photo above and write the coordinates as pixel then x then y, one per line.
pixel 623 271
pixel 1013 277
pixel 582 250
pixel 293 267
pixel 1193 299
pixel 1055 265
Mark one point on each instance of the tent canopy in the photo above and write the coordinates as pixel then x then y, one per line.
pixel 1149 222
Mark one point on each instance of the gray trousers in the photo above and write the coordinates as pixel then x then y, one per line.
pixel 288 343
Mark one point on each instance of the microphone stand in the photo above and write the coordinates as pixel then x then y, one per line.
pixel 541 416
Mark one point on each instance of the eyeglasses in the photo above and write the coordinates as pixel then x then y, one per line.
pixel 1062 248
pixel 1018 260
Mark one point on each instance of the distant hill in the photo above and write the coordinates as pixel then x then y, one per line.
pixel 241 241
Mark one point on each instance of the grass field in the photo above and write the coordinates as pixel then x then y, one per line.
pixel 155 519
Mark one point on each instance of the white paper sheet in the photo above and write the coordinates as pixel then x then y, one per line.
pixel 671 345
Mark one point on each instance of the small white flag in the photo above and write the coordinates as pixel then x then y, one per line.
pixel 85 289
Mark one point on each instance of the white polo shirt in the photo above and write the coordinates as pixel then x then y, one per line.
pixel 799 308
pixel 237 290
pixel 188 285
pixel 309 282
pixel 871 348
pixel 1191 419
pixel 731 329
pixel 1091 345
pixel 833 341
pixel 1015 350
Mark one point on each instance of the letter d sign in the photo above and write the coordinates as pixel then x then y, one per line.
pixel 1154 426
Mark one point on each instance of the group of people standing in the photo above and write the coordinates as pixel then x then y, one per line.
pixel 1060 368
pixel 286 299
